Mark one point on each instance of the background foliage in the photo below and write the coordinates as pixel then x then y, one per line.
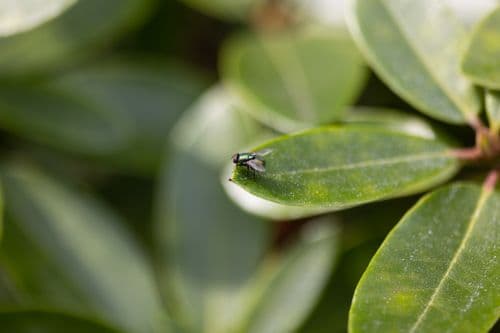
pixel 117 123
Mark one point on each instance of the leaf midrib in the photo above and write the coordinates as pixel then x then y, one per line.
pixel 369 163
pixel 483 198
pixel 419 56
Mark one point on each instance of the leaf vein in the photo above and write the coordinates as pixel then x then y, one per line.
pixel 366 164
pixel 473 220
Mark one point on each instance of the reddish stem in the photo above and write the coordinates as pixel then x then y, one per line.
pixel 467 153
pixel 491 180
pixel 477 125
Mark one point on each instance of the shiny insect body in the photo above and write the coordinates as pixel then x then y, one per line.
pixel 252 161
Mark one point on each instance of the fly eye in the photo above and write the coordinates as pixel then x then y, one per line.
pixel 236 157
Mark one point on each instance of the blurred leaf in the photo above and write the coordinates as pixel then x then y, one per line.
pixel 65 250
pixel 208 248
pixel 145 94
pixel 493 110
pixel 480 62
pixel 331 314
pixel 293 285
pixel 80 31
pixel 470 12
pixel 437 269
pixel 68 121
pixel 41 321
pixel 327 12
pixel 340 167
pixel 394 120
pixel 119 111
pixel 225 9
pixel 415 47
pixel 282 76
pixel 20 15
pixel 215 127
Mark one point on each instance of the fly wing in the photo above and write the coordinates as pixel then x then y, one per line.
pixel 264 152
pixel 257 165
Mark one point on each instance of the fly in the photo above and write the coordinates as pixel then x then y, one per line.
pixel 253 160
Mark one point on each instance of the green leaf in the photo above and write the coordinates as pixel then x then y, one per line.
pixel 147 95
pixel 79 32
pixel 386 118
pixel 118 112
pixel 64 250
pixel 340 167
pixel 42 321
pixel 481 59
pixel 493 110
pixel 437 270
pixel 290 288
pixel 415 47
pixel 50 117
pixel 282 76
pixel 225 9
pixel 20 15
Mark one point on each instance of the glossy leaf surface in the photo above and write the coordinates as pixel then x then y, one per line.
pixel 29 321
pixel 481 62
pixel 339 167
pixel 438 268
pixel 369 116
pixel 294 79
pixel 20 15
pixel 415 48
pixel 78 32
pixel 66 251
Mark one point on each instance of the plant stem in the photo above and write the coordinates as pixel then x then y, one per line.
pixel 467 153
pixel 491 180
